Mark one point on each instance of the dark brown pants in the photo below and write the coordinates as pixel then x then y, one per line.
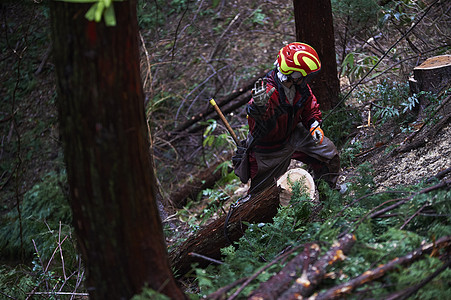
pixel 323 158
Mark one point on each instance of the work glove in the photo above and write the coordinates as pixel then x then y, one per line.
pixel 317 133
pixel 259 93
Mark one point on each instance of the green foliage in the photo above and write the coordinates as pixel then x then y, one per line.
pixel 150 294
pixel 258 17
pixel 42 210
pixel 400 12
pixel 153 14
pixel 392 102
pixel 348 152
pixel 379 240
pixel 340 123
pixel 355 65
pixel 360 14
pixel 261 243
pixel 439 288
pixel 60 272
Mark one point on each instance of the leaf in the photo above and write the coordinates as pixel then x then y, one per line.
pixel 99 11
pixel 90 14
pixel 110 17
pixel 215 3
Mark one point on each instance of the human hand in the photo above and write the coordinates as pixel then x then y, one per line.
pixel 259 93
pixel 317 133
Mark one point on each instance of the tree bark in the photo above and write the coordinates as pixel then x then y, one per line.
pixel 305 285
pixel 281 281
pixel 314 26
pixel 433 75
pixel 209 240
pixel 106 148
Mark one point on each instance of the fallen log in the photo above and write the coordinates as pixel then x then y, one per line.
pixel 209 240
pixel 281 281
pixel 200 181
pixel 305 285
pixel 346 288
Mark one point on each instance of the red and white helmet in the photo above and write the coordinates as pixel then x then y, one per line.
pixel 298 57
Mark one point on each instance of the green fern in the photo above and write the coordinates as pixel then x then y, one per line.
pixel 42 210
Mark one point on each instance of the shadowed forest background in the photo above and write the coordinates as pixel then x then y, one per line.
pixel 394 145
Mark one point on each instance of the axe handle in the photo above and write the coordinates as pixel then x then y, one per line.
pixel 229 128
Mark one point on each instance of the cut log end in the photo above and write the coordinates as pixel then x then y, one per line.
pixel 286 181
pixel 435 62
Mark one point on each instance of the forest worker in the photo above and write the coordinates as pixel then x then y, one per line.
pixel 285 122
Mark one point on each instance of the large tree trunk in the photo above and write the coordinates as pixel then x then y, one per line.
pixel 314 26
pixel 106 147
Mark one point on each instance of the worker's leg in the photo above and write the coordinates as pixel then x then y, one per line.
pixel 323 158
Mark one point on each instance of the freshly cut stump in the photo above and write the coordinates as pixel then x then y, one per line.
pixel 287 180
pixel 433 75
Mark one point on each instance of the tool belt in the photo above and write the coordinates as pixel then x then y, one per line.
pixel 240 160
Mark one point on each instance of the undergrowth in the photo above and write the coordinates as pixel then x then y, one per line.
pixel 379 239
pixel 44 206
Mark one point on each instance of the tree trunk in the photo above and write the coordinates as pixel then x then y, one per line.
pixel 314 26
pixel 106 148
pixel 209 240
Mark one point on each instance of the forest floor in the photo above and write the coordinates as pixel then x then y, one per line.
pixel 37 129
pixel 30 145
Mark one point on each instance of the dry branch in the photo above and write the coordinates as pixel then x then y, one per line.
pixel 209 240
pixel 305 285
pixel 341 290
pixel 443 184
pixel 431 133
pixel 247 86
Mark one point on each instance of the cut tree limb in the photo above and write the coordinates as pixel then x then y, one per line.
pixel 209 240
pixel 341 290
pixel 305 285
pixel 281 281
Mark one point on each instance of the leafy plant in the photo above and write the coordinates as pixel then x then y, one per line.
pixel 42 210
pixel 49 278
pixel 340 123
pixel 360 14
pixel 356 65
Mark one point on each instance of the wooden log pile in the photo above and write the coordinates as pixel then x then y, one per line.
pixel 304 273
